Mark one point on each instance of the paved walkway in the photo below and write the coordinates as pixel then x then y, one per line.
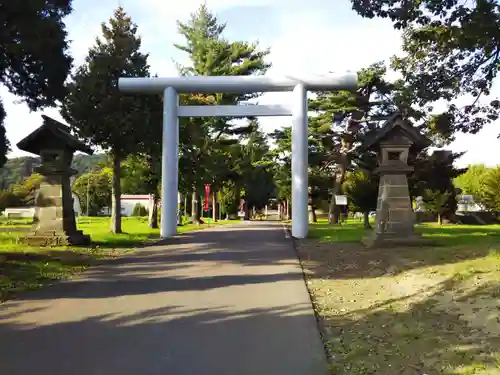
pixel 227 301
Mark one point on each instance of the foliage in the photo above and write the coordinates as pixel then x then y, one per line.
pixel 281 155
pixel 256 168
pixel 361 189
pixel 139 210
pixel 26 191
pixel 8 199
pixel 136 176
pixel 471 181
pixel 17 169
pixel 435 201
pixel 435 172
pixel 452 49
pixel 97 187
pixel 30 69
pixel 94 107
pixel 489 194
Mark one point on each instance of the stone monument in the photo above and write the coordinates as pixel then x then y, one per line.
pixel 54 223
pixel 394 222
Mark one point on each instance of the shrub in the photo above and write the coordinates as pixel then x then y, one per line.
pixel 139 210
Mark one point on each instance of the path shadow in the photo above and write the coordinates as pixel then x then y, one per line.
pixel 167 340
pixel 166 267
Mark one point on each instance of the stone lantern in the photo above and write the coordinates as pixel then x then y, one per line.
pixel 395 217
pixel 55 222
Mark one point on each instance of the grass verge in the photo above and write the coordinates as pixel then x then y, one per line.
pixel 432 310
pixel 25 267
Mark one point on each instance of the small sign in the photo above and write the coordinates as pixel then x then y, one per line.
pixel 341 200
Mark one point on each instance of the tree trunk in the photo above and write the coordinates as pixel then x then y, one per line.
pixel 185 204
pixel 346 141
pixel 288 210
pixel 215 210
pixel 440 219
pixel 312 214
pixel 153 211
pixel 246 210
pixel 366 220
pixel 195 207
pixel 333 210
pixel 116 207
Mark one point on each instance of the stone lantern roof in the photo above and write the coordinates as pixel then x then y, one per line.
pixel 52 135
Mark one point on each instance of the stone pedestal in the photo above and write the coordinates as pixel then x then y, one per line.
pixel 55 223
pixel 395 218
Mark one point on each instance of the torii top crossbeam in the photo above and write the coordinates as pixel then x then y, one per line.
pixel 239 84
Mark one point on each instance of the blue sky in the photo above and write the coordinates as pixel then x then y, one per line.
pixel 313 36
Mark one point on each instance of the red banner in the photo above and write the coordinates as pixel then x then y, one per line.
pixel 207 196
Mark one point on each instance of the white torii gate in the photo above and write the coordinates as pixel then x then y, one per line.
pixel 298 109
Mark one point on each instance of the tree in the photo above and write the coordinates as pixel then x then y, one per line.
pixel 435 172
pixel 205 142
pixel 139 210
pixel 452 49
pixel 26 190
pixel 471 181
pixel 94 190
pixel 489 194
pixel 435 201
pixel 256 169
pixel 282 166
pixel 97 111
pixel 361 189
pixel 142 175
pixel 8 199
pixel 339 118
pixel 34 58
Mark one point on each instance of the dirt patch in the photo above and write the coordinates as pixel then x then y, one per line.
pixel 405 311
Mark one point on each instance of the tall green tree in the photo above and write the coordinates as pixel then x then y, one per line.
pixel 203 140
pixel 34 58
pixel 94 107
pixel 452 48
pixel 142 175
pixel 490 190
pixel 435 173
pixel 94 190
pixel 436 202
pixel 471 181
pixel 361 190
pixel 256 169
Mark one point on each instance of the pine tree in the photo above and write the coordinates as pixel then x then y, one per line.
pixel 205 142
pixel 97 111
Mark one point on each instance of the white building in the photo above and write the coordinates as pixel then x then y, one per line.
pixel 29 212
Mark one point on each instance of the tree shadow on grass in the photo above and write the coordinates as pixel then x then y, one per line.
pixel 418 334
pixel 353 260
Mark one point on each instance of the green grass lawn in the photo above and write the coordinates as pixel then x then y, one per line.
pixel 420 310
pixel 24 267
